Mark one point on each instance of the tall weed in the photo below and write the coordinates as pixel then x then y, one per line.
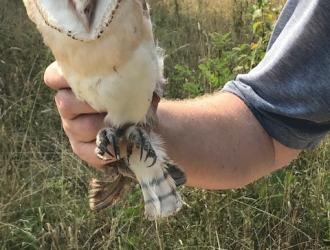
pixel 43 194
pixel 228 58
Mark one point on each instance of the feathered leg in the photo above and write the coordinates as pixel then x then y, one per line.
pixel 146 161
pixel 149 163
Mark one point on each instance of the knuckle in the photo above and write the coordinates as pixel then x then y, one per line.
pixel 72 131
pixel 91 125
pixel 47 80
pixel 75 147
pixel 67 128
pixel 63 103
pixel 80 130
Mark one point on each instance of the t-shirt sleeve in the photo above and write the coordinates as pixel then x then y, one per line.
pixel 289 91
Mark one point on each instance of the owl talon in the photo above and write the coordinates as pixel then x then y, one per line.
pixel 151 154
pixel 129 150
pixel 153 162
pixel 139 138
pixel 115 146
pixel 104 138
pixel 141 143
pixel 101 151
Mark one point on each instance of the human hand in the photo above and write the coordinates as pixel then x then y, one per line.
pixel 80 121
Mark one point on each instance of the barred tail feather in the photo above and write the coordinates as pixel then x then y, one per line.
pixel 160 196
pixel 158 181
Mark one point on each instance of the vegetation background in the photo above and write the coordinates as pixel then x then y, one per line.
pixel 43 186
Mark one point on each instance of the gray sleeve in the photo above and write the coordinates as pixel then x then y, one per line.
pixel 289 91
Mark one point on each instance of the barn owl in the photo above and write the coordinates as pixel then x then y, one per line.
pixel 106 52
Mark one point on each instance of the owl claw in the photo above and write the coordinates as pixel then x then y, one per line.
pixel 102 149
pixel 104 138
pixel 129 150
pixel 115 146
pixel 139 138
pixel 153 161
pixel 150 154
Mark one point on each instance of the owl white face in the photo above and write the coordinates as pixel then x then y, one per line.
pixel 85 10
pixel 84 20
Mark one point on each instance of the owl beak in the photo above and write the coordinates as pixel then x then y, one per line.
pixel 88 15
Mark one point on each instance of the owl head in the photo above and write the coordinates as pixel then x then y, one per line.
pixel 86 20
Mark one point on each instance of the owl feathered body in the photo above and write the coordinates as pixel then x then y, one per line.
pixel 116 68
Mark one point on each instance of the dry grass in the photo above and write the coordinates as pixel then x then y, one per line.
pixel 43 194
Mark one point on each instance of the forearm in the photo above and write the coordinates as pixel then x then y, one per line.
pixel 218 141
pixel 215 139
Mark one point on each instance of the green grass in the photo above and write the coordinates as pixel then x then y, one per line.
pixel 43 186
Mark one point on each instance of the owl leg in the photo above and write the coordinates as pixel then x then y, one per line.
pixel 157 177
pixel 138 137
pixel 104 138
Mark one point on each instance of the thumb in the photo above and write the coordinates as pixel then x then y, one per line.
pixel 53 77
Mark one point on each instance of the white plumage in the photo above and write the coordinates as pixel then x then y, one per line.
pixel 106 51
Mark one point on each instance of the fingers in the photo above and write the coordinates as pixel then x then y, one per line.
pixel 53 77
pixel 80 121
pixel 83 128
pixel 81 124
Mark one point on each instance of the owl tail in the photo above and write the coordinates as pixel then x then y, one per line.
pixel 157 177
pixel 111 188
pixel 159 192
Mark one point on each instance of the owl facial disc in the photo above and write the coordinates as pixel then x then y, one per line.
pixel 67 18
